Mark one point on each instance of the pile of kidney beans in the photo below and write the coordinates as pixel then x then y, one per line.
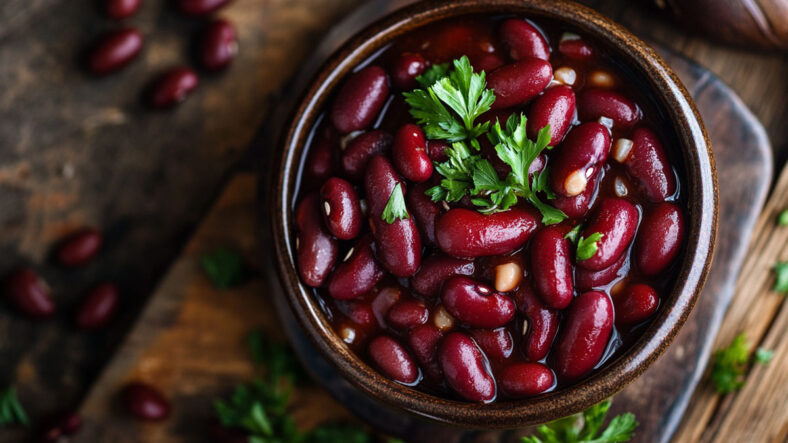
pixel 216 47
pixel 485 307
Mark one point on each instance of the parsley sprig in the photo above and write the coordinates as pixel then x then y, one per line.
pixel 585 428
pixel 223 267
pixel 585 248
pixel 395 208
pixel 730 365
pixel 11 411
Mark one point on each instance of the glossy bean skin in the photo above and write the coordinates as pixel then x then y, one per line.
pixel 115 50
pixel 551 265
pixel 406 314
pixel 584 150
pixel 201 7
pixel 436 269
pixel 616 219
pixel 576 49
pixel 360 99
pixel 525 379
pixel 423 340
pixel 321 161
pixel 173 87
pixel 635 304
pixel 218 45
pixel 120 9
pixel 467 233
pixel 578 206
pixel 487 62
pixel 523 40
pixel 425 210
pixel 316 249
pixel 595 103
pixel 29 293
pixel 497 344
pixel 659 238
pixel 341 209
pixel 586 280
pixel 358 275
pixel 584 335
pixel 145 402
pixel 556 107
pixel 409 153
pixel 406 68
pixel 466 369
pixel 393 360
pixel 476 304
pixel 398 244
pixel 519 82
pixel 648 162
pixel 361 149
pixel 542 323
pixel 436 149
pixel 98 307
pixel 79 248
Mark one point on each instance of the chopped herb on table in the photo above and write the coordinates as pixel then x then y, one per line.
pixel 586 427
pixel 781 282
pixel 11 411
pixel 730 364
pixel 782 219
pixel 223 267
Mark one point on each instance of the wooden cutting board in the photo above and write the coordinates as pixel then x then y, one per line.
pixel 189 340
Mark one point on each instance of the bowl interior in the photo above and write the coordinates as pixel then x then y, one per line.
pixel 666 96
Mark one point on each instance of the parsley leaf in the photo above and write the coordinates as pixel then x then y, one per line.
pixel 781 283
pixel 763 356
pixel 587 247
pixel 572 235
pixel 223 267
pixel 730 365
pixel 11 411
pixel 782 219
pixel 585 427
pixel 433 74
pixel 466 96
pixel 395 208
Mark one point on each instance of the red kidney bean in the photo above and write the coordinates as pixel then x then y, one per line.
pixel 595 103
pixel 201 7
pixel 497 344
pixel 659 238
pixel 467 233
pixel 218 45
pixel 383 301
pixel 519 82
pixel 436 149
pixel 423 340
pixel 425 210
pixel 120 9
pixel 29 293
pixel 616 219
pixel 542 326
pixel 525 379
pixel 648 163
pixel 524 40
pixel 361 149
pixel 476 304
pixel 586 280
pixel 436 269
pixel 406 68
pixel 79 248
pixel 360 99
pixel 551 266
pixel 406 314
pixel 320 162
pixel 361 313
pixel 114 51
pixel 173 87
pixel 409 153
pixel 635 304
pixel 579 158
pixel 576 48
pixel 584 335
pixel 466 369
pixel 341 209
pixel 486 62
pixel 316 250
pixel 578 206
pixel 98 307
pixel 358 275
pixel 556 107
pixel 145 402
pixel 393 360
pixel 398 244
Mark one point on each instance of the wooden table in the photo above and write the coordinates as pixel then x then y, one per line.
pixel 76 150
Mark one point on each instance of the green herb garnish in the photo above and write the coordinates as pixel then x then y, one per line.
pixel 433 74
pixel 573 234
pixel 782 219
pixel 223 267
pixel 395 208
pixel 763 356
pixel 781 283
pixel 11 411
pixel 585 427
pixel 587 247
pixel 730 364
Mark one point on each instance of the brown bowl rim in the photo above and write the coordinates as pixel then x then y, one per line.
pixel 702 214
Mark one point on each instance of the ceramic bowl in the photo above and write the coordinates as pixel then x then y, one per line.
pixel 699 179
